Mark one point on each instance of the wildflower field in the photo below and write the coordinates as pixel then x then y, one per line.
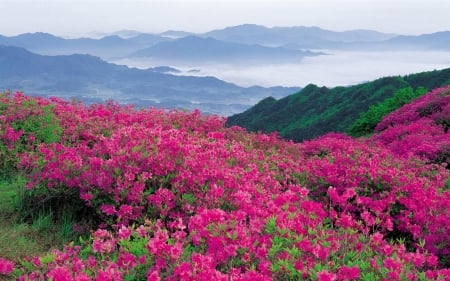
pixel 172 195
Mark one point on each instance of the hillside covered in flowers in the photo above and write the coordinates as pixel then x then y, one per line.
pixel 169 195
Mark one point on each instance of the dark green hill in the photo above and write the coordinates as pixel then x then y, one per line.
pixel 315 111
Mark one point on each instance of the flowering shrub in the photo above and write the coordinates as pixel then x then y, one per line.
pixel 181 197
pixel 434 105
pixel 24 123
pixel 379 192
pixel 420 128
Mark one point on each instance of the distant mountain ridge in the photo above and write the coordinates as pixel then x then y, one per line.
pixel 105 47
pixel 200 49
pixel 123 43
pixel 315 111
pixel 278 36
pixel 93 80
pixel 438 40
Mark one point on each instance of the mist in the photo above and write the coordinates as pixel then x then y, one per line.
pixel 335 68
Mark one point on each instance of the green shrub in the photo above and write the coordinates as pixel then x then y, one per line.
pixel 368 120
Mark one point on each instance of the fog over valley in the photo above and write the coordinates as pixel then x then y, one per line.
pixel 334 68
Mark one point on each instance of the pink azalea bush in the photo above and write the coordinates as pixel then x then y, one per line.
pixel 420 128
pixel 180 197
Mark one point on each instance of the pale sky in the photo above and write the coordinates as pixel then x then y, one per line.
pixel 79 17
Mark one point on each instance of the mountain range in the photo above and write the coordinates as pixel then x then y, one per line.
pixel 195 49
pixel 91 79
pixel 106 47
pixel 240 42
pixel 310 37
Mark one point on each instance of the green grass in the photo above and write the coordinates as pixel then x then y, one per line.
pixel 33 236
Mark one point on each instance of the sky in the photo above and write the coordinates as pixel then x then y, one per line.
pixel 83 17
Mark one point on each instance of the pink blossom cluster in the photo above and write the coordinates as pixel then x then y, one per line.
pixel 13 109
pixel 181 197
pixel 6 266
pixel 419 128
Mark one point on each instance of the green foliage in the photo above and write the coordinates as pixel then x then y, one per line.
pixel 315 111
pixel 368 120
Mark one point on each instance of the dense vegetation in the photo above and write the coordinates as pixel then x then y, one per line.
pixel 178 196
pixel 315 111
pixel 368 120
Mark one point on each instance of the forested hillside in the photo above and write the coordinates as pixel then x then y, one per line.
pixel 315 111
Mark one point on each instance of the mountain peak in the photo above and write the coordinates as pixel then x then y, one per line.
pixel 37 35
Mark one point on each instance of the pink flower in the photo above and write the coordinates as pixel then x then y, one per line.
pixel 142 259
pixel 103 242
pixel 82 277
pixel 183 271
pixel 163 199
pixel 418 259
pixel 124 233
pixel 153 276
pixel 432 260
pixel 387 249
pixel 6 266
pixel 348 273
pixel 104 276
pixel 91 261
pixel 321 252
pixel 108 209
pixel 325 275
pixel 36 261
pixel 60 274
pixel 176 250
pixel 126 260
pixel 125 211
pixel 111 273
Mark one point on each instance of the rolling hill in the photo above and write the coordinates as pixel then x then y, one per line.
pixel 314 110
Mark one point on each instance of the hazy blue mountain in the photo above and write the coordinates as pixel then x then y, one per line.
pixel 145 39
pixel 93 80
pixel 33 40
pixel 176 34
pixel 309 37
pixel 209 50
pixel 436 41
pixel 231 44
pixel 106 47
pixel 126 33
pixel 439 41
